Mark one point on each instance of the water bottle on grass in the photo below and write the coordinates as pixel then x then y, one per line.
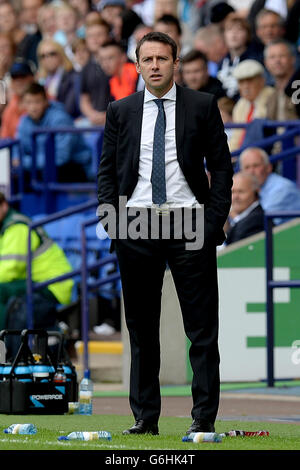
pixel 86 436
pixel 27 428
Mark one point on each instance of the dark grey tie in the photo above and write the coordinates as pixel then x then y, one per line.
pixel 158 177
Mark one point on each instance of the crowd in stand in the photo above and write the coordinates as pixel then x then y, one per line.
pixel 62 62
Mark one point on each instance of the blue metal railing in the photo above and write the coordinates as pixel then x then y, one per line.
pixel 271 285
pixel 86 286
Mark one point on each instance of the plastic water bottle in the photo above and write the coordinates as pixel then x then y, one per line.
pixel 198 437
pixel 27 428
pixel 86 436
pixel 86 388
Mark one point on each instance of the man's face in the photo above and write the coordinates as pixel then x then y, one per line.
pixel 252 162
pixel 269 28
pixel 195 74
pixel 30 10
pixel 8 20
pixel 250 88
pixel 279 60
pixel 214 50
pixel 157 67
pixel 243 194
pixel 35 106
pixel 235 36
pixel 96 36
pixel 111 60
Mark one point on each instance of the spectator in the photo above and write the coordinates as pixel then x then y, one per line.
pixel 165 7
pixel 248 215
pixel 55 70
pixel 269 26
pixel 254 98
pixel 22 74
pixel 237 35
pixel 83 8
pixel 95 90
pixel 111 10
pixel 72 156
pixel 276 192
pixel 123 74
pixel 210 40
pixel 170 25
pixel 9 22
pixel 48 262
pixel 280 60
pixel 46 20
pixel 67 24
pixel 195 74
pixel 81 54
pixel 29 22
pixel 124 28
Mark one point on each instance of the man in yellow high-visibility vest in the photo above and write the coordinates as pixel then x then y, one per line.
pixel 48 262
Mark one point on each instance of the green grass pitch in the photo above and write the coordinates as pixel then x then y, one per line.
pixel 283 436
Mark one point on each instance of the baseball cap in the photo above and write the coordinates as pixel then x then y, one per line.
pixel 21 68
pixel 247 69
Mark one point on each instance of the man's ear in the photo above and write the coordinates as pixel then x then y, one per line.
pixel 137 66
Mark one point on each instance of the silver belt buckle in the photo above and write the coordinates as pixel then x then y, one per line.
pixel 163 209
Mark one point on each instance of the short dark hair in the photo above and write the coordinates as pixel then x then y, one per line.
pixel 193 55
pixel 170 19
pixel 156 36
pixel 35 89
pixel 114 43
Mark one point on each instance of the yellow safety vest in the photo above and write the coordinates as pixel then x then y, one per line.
pixel 48 259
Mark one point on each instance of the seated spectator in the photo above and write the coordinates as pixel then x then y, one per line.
pixel 124 28
pixel 123 74
pixel 83 8
pixel 46 19
pixel 67 25
pixel 196 76
pixel 72 156
pixel 21 74
pixel 53 66
pixel 81 54
pixel 280 60
pixel 269 26
pixel 247 216
pixel 170 25
pixel 9 23
pixel 276 193
pixel 95 90
pixel 210 40
pixel 48 262
pixel 28 18
pixel 237 35
pixel 253 101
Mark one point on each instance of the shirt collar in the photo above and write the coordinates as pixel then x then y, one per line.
pixel 244 214
pixel 171 95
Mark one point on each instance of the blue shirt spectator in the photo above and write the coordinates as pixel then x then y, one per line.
pixel 276 194
pixel 72 156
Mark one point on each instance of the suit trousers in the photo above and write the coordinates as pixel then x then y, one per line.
pixel 142 264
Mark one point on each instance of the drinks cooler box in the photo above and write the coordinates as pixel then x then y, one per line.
pixel 27 385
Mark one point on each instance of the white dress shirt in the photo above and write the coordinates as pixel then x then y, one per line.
pixel 179 193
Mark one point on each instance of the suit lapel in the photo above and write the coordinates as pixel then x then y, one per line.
pixel 137 119
pixel 179 123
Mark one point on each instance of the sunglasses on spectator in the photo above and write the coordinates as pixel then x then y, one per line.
pixel 48 54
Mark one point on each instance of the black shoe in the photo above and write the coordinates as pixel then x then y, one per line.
pixel 200 425
pixel 143 427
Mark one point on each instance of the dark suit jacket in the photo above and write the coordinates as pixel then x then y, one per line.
pixel 199 134
pixel 250 225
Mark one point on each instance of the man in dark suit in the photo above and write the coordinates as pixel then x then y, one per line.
pixel 154 147
pixel 248 214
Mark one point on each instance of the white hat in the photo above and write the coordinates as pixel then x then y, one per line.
pixel 247 69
